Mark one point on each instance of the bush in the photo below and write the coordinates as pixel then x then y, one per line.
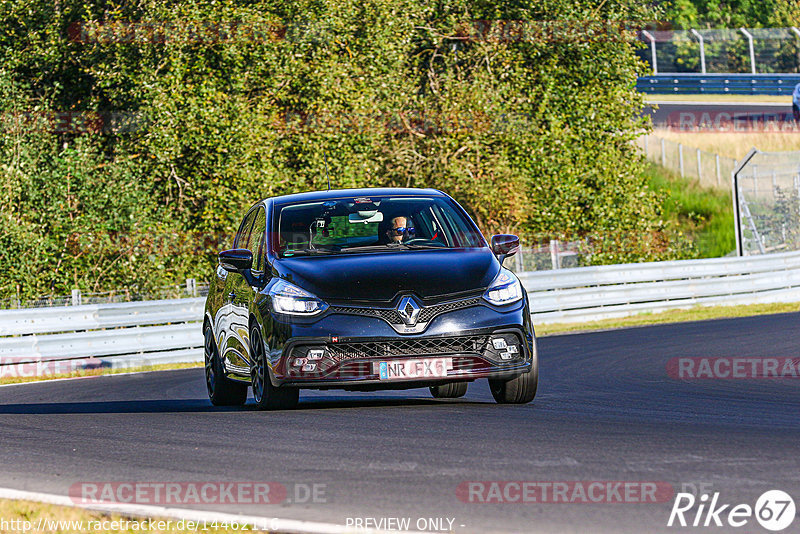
pixel 241 100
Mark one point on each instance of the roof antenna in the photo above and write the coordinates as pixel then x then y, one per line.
pixel 325 157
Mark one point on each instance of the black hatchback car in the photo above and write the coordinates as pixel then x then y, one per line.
pixel 365 289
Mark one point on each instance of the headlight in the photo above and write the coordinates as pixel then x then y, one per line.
pixel 290 299
pixel 505 289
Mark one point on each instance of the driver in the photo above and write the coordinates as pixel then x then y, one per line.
pixel 400 230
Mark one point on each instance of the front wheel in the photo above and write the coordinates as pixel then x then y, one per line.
pixel 796 112
pixel 222 391
pixel 518 390
pixel 267 396
pixel 453 390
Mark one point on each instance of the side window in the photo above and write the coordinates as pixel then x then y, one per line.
pixel 255 243
pixel 244 231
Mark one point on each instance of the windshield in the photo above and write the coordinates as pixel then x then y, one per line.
pixel 365 224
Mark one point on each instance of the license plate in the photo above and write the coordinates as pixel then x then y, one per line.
pixel 405 369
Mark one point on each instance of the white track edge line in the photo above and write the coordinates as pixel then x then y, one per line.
pixel 48 380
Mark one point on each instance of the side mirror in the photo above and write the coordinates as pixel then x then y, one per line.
pixel 504 245
pixel 236 260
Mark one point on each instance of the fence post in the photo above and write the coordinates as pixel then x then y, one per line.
pixel 699 171
pixel 774 183
pixel 191 287
pixel 652 40
pixel 702 50
pixel 680 158
pixel 752 51
pixel 646 147
pixel 519 264
pixel 755 180
pixel 663 153
pixel 719 175
pixel 797 185
pixel 76 297
pixel 554 259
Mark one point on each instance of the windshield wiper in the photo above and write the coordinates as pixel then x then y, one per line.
pixel 389 246
pixel 365 248
pixel 308 252
pixel 416 246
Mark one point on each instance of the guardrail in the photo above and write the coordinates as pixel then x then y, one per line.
pixel 120 335
pixel 736 84
pixel 602 292
pixel 168 331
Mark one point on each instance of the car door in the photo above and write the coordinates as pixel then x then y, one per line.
pixel 241 294
pixel 234 336
pixel 223 308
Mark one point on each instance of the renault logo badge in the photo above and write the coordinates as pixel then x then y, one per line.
pixel 408 310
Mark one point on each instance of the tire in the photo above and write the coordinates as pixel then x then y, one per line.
pixel 267 396
pixel 453 390
pixel 796 112
pixel 518 390
pixel 222 391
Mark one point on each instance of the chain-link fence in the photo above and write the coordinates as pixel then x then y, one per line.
pixel 768 202
pixel 188 289
pixel 745 51
pixel 554 254
pixel 711 170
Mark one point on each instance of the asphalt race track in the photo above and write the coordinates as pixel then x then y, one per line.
pixel 606 411
pixel 673 113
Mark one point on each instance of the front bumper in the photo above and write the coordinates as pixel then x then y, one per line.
pixel 347 362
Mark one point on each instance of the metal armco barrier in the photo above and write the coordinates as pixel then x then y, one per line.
pixel 735 84
pixel 168 331
pixel 128 334
pixel 602 292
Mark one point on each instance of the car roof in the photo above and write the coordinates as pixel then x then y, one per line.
pixel 350 193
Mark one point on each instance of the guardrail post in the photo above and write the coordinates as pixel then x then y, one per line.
pixel 646 147
pixel 719 175
pixel 76 297
pixel 191 287
pixel 663 153
pixel 680 158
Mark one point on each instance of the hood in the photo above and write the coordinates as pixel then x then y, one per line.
pixel 382 276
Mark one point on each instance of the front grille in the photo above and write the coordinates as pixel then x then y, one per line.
pixel 390 315
pixel 407 347
pixel 427 313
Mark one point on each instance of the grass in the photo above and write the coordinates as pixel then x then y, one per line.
pixel 732 144
pixel 703 214
pixel 696 313
pixel 95 372
pixel 786 99
pixel 13 512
